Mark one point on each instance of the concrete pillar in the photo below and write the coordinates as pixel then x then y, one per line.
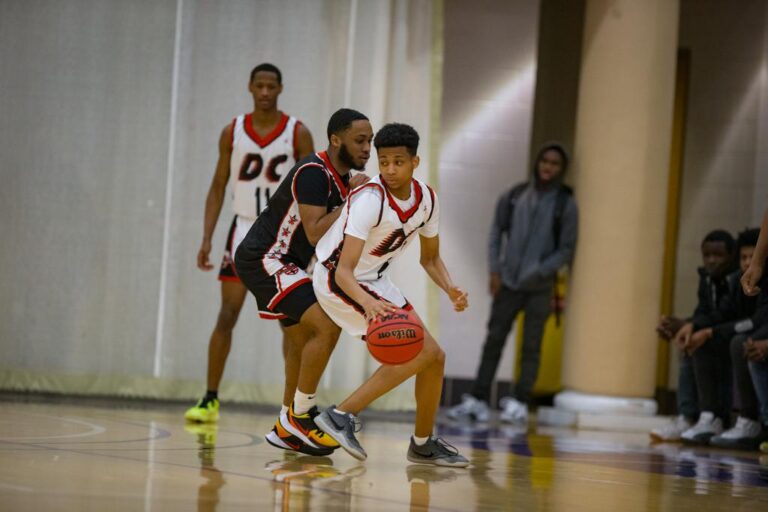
pixel 622 148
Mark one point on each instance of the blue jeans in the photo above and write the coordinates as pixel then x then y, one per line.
pixel 687 396
pixel 759 372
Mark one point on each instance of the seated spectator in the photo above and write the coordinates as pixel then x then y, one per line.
pixel 717 254
pixel 718 348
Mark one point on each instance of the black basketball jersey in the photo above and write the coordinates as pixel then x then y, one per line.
pixel 278 237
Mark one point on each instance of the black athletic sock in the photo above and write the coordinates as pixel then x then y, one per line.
pixel 210 396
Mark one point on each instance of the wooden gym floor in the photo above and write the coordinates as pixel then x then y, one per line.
pixel 86 455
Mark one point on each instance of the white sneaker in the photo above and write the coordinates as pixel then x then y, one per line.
pixel 704 429
pixel 513 411
pixel 745 434
pixel 672 430
pixel 470 408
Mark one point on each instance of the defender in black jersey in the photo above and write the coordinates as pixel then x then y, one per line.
pixel 276 251
pixel 272 260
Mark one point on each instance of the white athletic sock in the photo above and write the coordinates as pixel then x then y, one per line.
pixel 283 409
pixel 339 412
pixel 302 402
pixel 419 441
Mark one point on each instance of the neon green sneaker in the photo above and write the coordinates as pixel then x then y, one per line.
pixel 204 412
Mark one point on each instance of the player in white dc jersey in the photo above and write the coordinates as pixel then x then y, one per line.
pixel 258 148
pixel 351 284
pixel 388 225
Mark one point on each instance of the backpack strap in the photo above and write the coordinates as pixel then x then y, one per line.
pixel 507 206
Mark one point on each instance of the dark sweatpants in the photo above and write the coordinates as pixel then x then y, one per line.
pixel 712 364
pixel 744 385
pixel 506 305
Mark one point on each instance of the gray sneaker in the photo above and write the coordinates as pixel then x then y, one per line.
pixel 436 451
pixel 342 428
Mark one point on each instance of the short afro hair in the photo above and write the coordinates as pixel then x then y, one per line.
pixel 342 119
pixel 720 235
pixel 269 68
pixel 748 238
pixel 394 135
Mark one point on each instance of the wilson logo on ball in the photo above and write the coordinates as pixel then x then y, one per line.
pixel 399 334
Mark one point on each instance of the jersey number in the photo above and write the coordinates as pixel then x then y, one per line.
pixel 262 203
pixel 250 172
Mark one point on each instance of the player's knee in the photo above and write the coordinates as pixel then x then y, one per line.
pixel 433 354
pixel 227 317
pixel 327 337
pixel 439 357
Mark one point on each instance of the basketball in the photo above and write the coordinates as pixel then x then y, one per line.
pixel 395 338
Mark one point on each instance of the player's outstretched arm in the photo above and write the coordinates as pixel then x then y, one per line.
pixel 215 198
pixel 345 278
pixel 755 271
pixel 432 262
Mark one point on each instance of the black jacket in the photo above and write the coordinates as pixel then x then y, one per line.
pixel 739 313
pixel 712 293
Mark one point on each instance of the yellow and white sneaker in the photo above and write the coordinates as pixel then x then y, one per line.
pixel 206 411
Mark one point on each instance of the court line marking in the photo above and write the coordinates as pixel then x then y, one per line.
pixel 95 429
pixel 231 473
pixel 343 493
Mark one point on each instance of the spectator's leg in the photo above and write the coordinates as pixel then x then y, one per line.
pixel 537 309
pixel 506 304
pixel 759 372
pixel 744 386
pixel 687 397
pixel 711 368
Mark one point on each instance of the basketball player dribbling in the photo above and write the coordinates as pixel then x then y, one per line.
pixel 272 260
pixel 379 220
pixel 260 147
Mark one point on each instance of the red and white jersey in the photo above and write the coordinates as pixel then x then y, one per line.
pixel 258 164
pixel 387 224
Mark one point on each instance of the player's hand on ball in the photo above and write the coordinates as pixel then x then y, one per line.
pixel 202 256
pixel 377 308
pixel 459 298
pixel 358 179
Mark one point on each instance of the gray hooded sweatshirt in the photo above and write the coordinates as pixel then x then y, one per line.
pixel 525 255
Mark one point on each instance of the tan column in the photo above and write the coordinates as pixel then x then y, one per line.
pixel 621 163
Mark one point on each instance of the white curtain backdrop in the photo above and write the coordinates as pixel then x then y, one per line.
pixel 111 112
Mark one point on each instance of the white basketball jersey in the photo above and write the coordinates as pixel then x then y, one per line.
pixel 387 227
pixel 258 164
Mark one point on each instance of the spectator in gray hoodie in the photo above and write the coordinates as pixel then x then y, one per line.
pixel 532 237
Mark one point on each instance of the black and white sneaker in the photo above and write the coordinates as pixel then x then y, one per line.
pixel 438 452
pixel 342 427
pixel 707 427
pixel 747 434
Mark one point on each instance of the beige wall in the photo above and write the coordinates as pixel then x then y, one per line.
pixel 488 89
pixel 558 65
pixel 724 170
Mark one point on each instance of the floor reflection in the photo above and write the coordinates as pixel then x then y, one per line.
pixel 297 478
pixel 702 465
pixel 213 480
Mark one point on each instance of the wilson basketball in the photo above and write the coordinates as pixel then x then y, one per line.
pixel 396 338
